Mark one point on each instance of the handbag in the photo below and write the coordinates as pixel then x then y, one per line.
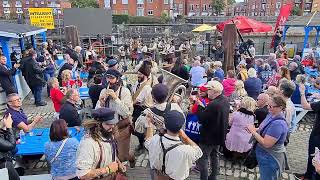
pixel 119 175
pixel 59 150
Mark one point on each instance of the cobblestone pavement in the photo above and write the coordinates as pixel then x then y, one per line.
pixel 296 150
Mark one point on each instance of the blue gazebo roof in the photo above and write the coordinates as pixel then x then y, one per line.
pixel 12 30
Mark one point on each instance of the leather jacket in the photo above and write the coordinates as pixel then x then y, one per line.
pixel 7 144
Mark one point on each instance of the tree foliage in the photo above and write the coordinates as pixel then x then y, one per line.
pixel 295 11
pixel 218 6
pixel 164 18
pixel 84 3
pixel 230 2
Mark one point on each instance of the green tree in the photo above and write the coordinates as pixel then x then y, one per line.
pixel 218 6
pixel 164 17
pixel 84 3
pixel 295 11
pixel 230 2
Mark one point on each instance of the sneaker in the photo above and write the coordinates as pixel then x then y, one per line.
pixel 41 104
pixel 300 176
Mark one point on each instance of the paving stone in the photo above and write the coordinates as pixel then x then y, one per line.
pixel 243 174
pixel 236 173
pixel 222 163
pixel 229 172
pixel 252 176
pixel 285 175
pixel 222 171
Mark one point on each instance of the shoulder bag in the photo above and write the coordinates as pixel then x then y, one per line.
pixel 119 175
pixel 59 150
pixel 251 160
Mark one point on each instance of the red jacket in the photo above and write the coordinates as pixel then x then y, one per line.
pixel 195 106
pixel 56 97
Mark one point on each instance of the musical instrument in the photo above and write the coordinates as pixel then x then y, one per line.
pixel 174 84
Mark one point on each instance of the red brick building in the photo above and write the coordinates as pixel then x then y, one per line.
pixel 272 7
pixel 19 8
pixel 157 7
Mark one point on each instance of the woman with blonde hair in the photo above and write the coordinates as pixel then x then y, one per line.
pixel 67 80
pixel 239 92
pixel 237 140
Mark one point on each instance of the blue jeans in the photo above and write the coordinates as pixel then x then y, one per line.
pixel 37 92
pixel 209 151
pixel 268 166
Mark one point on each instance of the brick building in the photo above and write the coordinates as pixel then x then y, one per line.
pixel 157 7
pixel 272 7
pixel 19 8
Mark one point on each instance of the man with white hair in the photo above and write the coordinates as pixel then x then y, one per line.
pixel 197 74
pixel 214 122
pixel 80 55
pixel 294 70
pixel 253 85
pixel 218 72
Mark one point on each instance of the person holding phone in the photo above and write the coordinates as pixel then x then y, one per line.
pixel 7 145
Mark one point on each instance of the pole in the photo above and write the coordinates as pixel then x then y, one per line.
pixel 241 39
pixel 59 24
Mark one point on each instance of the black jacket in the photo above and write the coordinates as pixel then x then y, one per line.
pixel 64 67
pixel 261 114
pixel 214 121
pixel 69 113
pixel 33 73
pixel 6 79
pixel 7 144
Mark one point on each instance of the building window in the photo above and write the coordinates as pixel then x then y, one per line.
pixel 7 16
pixel 197 6
pixel 114 11
pixel 180 6
pixel 166 2
pixel 191 7
pixel 204 7
pixel 125 11
pixel 140 1
pixel 27 2
pixel 19 16
pixel 150 1
pixel 150 12
pixel 124 1
pixel 140 12
pixel 114 1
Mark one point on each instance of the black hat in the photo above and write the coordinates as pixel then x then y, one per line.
pixel 113 72
pixel 160 92
pixel 104 115
pixel 148 53
pixel 112 62
pixel 145 69
pixel 173 121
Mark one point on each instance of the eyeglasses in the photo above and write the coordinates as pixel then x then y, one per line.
pixel 270 106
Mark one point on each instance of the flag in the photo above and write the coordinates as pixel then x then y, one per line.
pixel 282 19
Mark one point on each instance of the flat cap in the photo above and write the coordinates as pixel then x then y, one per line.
pixel 104 115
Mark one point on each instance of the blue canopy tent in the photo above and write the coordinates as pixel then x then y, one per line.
pixel 10 31
pixel 308 22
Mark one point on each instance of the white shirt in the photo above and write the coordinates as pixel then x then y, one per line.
pixel 145 97
pixel 88 155
pixel 178 161
pixel 197 73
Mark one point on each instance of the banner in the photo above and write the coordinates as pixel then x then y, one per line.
pixel 285 12
pixel 41 17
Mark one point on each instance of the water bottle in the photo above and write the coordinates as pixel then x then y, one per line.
pixel 22 136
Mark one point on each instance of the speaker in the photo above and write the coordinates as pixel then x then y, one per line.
pixel 208 36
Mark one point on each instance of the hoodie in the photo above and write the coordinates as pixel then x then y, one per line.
pixel 229 86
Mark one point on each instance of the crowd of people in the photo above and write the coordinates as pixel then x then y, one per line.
pixel 239 113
